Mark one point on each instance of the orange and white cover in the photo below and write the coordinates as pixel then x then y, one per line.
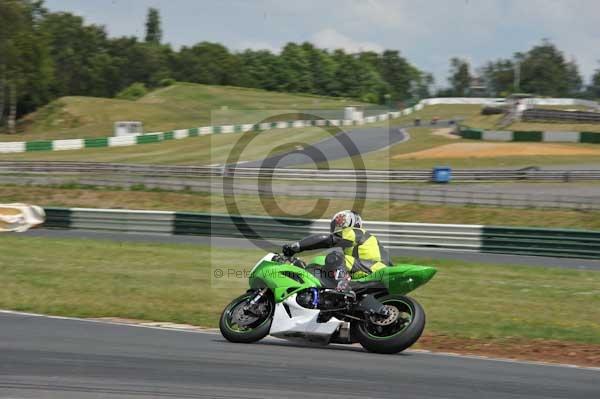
pixel 20 217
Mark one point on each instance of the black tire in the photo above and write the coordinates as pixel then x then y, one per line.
pixel 256 332
pixel 400 340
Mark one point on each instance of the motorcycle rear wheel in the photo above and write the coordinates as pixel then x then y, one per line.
pixel 397 336
pixel 247 333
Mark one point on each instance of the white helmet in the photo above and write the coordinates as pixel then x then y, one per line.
pixel 344 219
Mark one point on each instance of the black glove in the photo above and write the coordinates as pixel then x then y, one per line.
pixel 288 250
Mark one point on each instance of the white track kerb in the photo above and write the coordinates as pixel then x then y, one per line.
pixel 100 142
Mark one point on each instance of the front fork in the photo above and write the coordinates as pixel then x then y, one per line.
pixel 251 306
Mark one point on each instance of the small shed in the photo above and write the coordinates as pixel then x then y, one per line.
pixel 126 128
pixel 353 113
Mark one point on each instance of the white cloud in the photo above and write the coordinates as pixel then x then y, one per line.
pixel 331 39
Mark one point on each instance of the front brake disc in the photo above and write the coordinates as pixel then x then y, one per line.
pixel 242 317
pixel 393 315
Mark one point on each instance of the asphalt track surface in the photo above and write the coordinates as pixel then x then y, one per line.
pixel 341 145
pixel 222 242
pixel 64 358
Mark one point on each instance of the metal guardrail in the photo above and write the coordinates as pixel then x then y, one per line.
pixel 510 240
pixel 374 191
pixel 464 175
pixel 540 114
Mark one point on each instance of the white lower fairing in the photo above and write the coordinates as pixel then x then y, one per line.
pixel 302 325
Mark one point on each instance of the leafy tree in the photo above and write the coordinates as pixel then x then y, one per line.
pixel 322 69
pixel 258 69
pixel 153 29
pixel 84 65
pixel 574 80
pixel 25 67
pixel 460 77
pixel 296 65
pixel 499 76
pixel 544 71
pixel 398 73
pixel 356 78
pixel 421 87
pixel 594 87
pixel 208 63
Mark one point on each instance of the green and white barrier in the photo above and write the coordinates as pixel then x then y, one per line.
pixel 147 138
pixel 508 240
pixel 530 136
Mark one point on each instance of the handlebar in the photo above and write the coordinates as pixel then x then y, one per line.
pixel 292 260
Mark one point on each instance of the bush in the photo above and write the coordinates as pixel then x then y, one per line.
pixel 491 111
pixel 166 82
pixel 133 92
pixel 370 98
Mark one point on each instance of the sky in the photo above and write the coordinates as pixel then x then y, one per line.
pixel 427 32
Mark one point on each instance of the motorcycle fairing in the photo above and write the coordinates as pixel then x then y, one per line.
pixel 398 279
pixel 296 323
pixel 283 279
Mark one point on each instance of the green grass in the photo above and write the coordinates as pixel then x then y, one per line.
pixel 86 197
pixel 88 278
pixel 180 106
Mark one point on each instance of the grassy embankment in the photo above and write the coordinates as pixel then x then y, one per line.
pixel 180 106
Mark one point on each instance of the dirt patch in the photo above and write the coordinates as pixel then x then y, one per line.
pixel 490 150
pixel 446 132
pixel 550 351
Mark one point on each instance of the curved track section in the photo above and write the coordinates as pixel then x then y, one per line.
pixel 342 145
pixel 64 358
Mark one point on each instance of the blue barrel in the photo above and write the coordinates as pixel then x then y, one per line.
pixel 442 174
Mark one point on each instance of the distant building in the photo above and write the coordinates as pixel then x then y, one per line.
pixel 477 87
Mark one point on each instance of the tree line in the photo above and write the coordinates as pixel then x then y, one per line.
pixel 45 55
pixel 543 70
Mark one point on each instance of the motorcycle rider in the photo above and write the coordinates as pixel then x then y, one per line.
pixel 362 252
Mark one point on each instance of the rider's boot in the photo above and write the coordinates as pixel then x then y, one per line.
pixel 335 269
pixel 372 306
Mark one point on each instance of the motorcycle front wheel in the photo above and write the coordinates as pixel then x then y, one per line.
pixel 395 333
pixel 238 325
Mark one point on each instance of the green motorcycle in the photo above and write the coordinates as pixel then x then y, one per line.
pixel 291 300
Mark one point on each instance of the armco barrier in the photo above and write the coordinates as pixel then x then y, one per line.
pixel 509 240
pixel 554 115
pixel 122 171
